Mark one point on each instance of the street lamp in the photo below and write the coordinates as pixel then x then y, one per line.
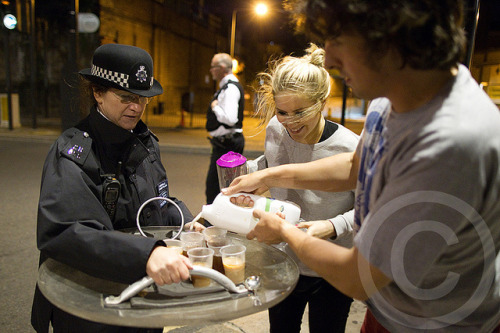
pixel 260 9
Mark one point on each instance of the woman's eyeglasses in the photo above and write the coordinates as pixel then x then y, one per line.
pixel 132 98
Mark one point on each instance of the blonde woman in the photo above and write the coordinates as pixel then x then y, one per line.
pixel 291 97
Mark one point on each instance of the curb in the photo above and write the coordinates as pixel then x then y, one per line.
pixel 49 136
pixel 172 148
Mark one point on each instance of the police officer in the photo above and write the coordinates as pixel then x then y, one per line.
pixel 95 178
pixel 224 118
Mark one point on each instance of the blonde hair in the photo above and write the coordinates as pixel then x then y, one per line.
pixel 304 77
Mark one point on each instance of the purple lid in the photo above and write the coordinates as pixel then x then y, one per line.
pixel 231 160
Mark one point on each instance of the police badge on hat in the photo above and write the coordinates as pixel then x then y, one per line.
pixel 123 67
pixel 141 74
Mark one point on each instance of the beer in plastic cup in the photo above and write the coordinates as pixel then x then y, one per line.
pixel 174 244
pixel 233 260
pixel 201 256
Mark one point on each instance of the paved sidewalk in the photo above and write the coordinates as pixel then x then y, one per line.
pixel 173 139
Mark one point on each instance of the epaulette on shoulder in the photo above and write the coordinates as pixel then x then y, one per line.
pixel 78 147
pixel 154 135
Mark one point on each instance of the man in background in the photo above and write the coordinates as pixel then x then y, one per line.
pixel 224 118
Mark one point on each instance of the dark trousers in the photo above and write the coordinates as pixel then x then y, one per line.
pixel 63 322
pixel 220 146
pixel 328 308
pixel 44 312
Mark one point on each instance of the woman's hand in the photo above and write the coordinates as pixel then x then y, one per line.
pixel 242 201
pixel 320 229
pixel 194 226
pixel 251 183
pixel 167 266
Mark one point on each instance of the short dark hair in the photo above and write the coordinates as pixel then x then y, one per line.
pixel 86 93
pixel 428 34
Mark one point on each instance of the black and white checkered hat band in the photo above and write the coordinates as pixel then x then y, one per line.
pixel 116 77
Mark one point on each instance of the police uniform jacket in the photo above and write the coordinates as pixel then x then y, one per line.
pixel 73 226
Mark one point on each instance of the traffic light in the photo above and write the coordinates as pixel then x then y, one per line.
pixel 9 14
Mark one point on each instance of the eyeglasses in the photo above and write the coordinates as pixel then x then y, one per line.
pixel 132 98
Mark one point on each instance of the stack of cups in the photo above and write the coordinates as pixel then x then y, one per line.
pixel 220 254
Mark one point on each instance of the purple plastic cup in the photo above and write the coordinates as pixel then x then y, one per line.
pixel 230 166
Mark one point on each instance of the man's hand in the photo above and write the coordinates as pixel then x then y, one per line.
pixel 269 228
pixel 320 229
pixel 167 266
pixel 214 104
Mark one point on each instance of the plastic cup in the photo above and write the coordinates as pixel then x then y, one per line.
pixel 216 243
pixel 214 232
pixel 191 240
pixel 201 256
pixel 230 166
pixel 233 260
pixel 174 244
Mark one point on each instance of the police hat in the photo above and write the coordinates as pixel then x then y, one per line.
pixel 123 67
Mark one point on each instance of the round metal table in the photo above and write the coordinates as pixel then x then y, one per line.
pixel 82 295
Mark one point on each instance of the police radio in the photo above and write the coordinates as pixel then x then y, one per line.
pixel 111 192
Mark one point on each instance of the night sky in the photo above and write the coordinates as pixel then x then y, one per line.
pixel 275 27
